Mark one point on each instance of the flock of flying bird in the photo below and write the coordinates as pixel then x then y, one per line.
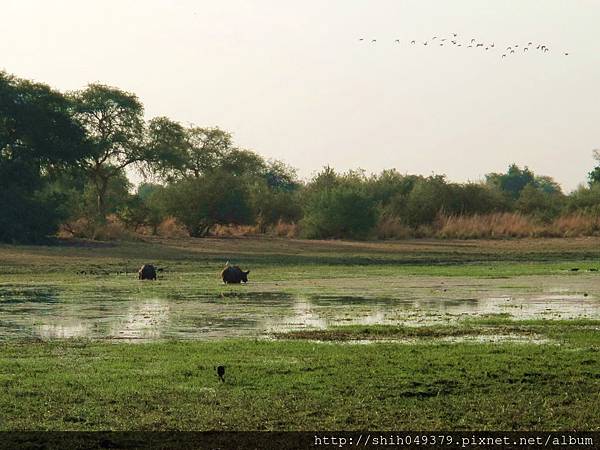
pixel 452 40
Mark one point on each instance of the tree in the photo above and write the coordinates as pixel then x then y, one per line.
pixel 428 198
pixel 281 177
pixel 585 199
pixel 476 198
pixel 114 125
pixel 540 203
pixel 149 206
pixel 594 175
pixel 37 138
pixel 389 186
pixel 200 203
pixel 513 181
pixel 167 149
pixel 547 185
pixel 271 205
pixel 338 207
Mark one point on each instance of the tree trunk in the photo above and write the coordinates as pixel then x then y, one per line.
pixel 101 188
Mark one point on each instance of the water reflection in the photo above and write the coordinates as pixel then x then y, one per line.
pixel 143 320
pixel 49 312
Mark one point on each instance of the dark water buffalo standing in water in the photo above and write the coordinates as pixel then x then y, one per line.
pixel 147 272
pixel 233 274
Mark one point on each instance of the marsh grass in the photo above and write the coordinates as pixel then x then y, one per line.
pixel 500 325
pixel 301 385
pixel 488 258
pixel 292 382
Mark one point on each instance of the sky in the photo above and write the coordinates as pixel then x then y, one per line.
pixel 291 80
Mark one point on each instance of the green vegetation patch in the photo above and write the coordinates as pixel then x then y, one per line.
pixel 299 385
pixel 495 325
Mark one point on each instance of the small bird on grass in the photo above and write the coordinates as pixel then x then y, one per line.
pixel 221 373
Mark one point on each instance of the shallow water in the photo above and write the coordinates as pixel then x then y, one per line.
pixel 132 313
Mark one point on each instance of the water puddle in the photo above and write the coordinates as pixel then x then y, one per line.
pixel 176 312
pixel 483 338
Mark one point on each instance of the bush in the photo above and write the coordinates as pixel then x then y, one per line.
pixel 344 211
pixel 585 200
pixel 540 204
pixel 428 198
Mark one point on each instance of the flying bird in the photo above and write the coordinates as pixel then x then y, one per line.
pixel 454 34
pixel 472 40
pixel 361 39
pixel 512 51
pixel 412 42
pixel 374 40
pixel 425 43
pixel 566 54
pixel 530 43
pixel 525 49
pixel 504 56
pixel 397 40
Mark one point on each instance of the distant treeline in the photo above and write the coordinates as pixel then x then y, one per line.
pixel 64 158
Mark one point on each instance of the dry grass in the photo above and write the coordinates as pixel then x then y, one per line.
pixel 576 225
pixel 285 229
pixel 170 228
pixel 113 229
pixel 392 228
pixel 514 225
pixel 485 226
pixel 497 225
pixel 234 230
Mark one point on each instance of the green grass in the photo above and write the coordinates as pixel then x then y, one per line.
pixel 301 385
pixel 575 331
pixel 283 258
pixel 435 377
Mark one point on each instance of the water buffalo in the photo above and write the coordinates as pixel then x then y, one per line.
pixel 147 272
pixel 233 274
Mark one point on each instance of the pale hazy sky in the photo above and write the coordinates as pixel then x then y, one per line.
pixel 291 80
